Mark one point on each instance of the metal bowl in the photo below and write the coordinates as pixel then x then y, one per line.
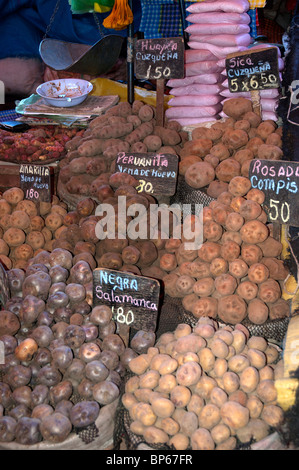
pixel 64 93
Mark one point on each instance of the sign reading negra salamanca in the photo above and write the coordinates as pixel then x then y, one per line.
pixel 134 299
pixel 255 70
pixel 157 173
pixel 35 181
pixel 161 58
pixel 279 181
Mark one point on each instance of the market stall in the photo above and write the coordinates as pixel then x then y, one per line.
pixel 146 298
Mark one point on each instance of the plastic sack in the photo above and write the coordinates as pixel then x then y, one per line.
pixel 223 40
pixel 199 55
pixel 197 68
pixel 266 115
pixel 194 121
pixel 192 111
pixel 229 6
pixel 269 105
pixel 218 28
pixel 194 100
pixel 208 78
pixel 197 89
pixel 212 18
pixel 220 52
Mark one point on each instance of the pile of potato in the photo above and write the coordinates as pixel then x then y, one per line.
pixel 237 273
pixel 26 228
pixel 215 155
pixel 210 387
pixel 123 128
pixel 64 360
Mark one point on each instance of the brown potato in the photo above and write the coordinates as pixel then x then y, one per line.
pixel 14 237
pixel 266 391
pixel 249 379
pixel 234 221
pixel 199 174
pixel 204 287
pixel 234 415
pixel 269 291
pixel 255 406
pixel 218 396
pixel 196 404
pixel 273 415
pixel 247 290
pixel 232 309
pixel 162 407
pixel 239 185
pixel 254 231
pixel 225 284
pixel 230 250
pixel 218 267
pixel 209 416
pixel 205 306
pixel 258 311
pixel 201 439
pixel 154 435
pixel 179 441
pixel 250 209
pixel 209 250
pixel 180 396
pixel 258 273
pixel 228 169
pixel 238 268
pixel 238 363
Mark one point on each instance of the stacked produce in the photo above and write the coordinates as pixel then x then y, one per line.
pixel 217 154
pixel 217 28
pixel 236 274
pixel 36 145
pixel 64 360
pixel 124 128
pixel 210 387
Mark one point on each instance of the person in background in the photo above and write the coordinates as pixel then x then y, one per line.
pixel 23 25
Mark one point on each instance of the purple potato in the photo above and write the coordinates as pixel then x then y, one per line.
pixel 55 428
pixel 96 371
pixel 49 376
pixel 43 335
pixel 28 431
pixel 7 428
pixel 84 414
pixel 40 395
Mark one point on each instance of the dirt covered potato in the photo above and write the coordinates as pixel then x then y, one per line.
pixel 208 392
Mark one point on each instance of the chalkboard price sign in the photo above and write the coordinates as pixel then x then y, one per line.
pixel 157 173
pixel 35 181
pixel 252 71
pixel 279 181
pixel 134 299
pixel 161 58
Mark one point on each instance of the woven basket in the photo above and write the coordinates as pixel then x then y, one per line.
pixel 98 437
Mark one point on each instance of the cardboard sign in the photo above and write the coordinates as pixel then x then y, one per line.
pixel 279 180
pixel 251 71
pixel 35 181
pixel 157 173
pixel 134 299
pixel 4 286
pixel 161 58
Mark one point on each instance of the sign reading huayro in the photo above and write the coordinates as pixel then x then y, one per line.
pixel 157 173
pixel 161 58
pixel 35 181
pixel 279 181
pixel 251 71
pixel 134 299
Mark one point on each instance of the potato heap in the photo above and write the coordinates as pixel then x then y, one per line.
pixel 123 128
pixel 236 274
pixel 211 387
pixel 64 360
pixel 26 228
pixel 215 155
